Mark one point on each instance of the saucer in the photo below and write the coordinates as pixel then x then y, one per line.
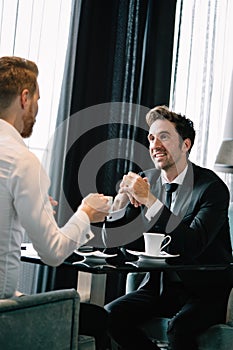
pixel 96 256
pixel 144 256
pixel 28 250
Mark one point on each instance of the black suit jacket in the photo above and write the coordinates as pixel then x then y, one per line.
pixel 199 225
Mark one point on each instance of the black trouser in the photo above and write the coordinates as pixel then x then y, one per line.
pixel 190 315
pixel 93 322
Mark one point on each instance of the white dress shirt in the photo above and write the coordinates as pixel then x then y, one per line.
pixel 25 206
pixel 153 210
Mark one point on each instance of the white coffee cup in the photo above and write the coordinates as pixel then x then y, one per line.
pixel 153 242
pixel 110 200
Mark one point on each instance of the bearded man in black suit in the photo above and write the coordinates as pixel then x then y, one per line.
pixel 197 221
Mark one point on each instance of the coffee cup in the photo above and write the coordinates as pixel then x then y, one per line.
pixel 153 242
pixel 110 200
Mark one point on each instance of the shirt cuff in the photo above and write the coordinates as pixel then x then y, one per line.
pixel 153 210
pixel 83 223
pixel 117 214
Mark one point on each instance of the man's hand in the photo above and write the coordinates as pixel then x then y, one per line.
pixel 137 189
pixel 120 201
pixel 96 206
pixel 54 203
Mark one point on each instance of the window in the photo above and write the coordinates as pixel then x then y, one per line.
pixel 38 30
pixel 202 71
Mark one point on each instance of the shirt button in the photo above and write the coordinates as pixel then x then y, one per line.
pixel 87 236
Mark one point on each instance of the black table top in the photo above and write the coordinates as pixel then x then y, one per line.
pixel 124 264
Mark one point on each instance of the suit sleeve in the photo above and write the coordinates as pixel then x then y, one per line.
pixel 205 222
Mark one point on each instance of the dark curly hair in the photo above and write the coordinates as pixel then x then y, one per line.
pixel 183 125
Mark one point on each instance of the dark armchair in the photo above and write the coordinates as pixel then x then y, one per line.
pixel 217 337
pixel 42 321
pixel 220 336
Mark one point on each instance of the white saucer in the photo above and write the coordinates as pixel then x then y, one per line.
pixel 144 256
pixel 28 250
pixel 95 256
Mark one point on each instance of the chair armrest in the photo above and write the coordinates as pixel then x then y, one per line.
pixel 217 337
pixel 41 321
pixel 86 342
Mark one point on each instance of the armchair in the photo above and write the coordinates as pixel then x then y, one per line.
pixel 219 336
pixel 42 321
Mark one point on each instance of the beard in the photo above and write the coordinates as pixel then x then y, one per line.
pixel 27 131
pixel 164 166
pixel 29 121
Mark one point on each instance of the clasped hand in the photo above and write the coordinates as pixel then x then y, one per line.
pixel 137 189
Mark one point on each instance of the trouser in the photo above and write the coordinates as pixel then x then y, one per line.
pixel 93 321
pixel 190 315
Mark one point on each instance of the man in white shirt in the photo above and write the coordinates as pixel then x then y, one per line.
pixel 24 200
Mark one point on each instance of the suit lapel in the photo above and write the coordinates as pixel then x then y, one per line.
pixel 155 182
pixel 184 195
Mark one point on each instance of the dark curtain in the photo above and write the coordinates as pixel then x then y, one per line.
pixel 120 41
pixel 123 54
pixel 118 65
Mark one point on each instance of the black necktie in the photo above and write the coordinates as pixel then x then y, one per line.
pixel 169 189
pixel 170 275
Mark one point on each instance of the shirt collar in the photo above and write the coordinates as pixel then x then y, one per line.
pixel 178 180
pixel 10 130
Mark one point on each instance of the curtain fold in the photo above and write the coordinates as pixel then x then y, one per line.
pixel 47 276
pixel 202 65
pixel 58 143
pixel 118 65
pixel 201 74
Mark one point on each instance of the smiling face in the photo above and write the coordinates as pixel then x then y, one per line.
pixel 168 150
